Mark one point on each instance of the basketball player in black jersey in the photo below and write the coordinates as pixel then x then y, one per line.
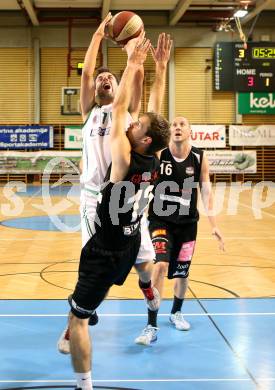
pixel 102 90
pixel 109 255
pixel 173 217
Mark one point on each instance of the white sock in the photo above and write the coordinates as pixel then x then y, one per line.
pixel 84 380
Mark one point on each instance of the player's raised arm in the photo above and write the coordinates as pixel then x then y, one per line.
pixel 161 57
pixel 87 90
pixel 135 102
pixel 208 201
pixel 120 146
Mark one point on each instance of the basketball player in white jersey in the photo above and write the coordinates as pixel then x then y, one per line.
pixel 97 95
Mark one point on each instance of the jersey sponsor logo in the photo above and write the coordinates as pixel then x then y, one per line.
pixel 159 232
pixel 186 251
pixel 102 132
pixel 145 177
pixel 190 171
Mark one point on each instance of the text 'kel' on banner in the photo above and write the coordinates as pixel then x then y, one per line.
pixel 256 103
pixel 26 137
pixel 73 137
pixel 208 136
pixel 38 162
pixel 228 161
pixel 252 135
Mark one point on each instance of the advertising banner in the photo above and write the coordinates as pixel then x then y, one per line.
pixel 256 103
pixel 39 162
pixel 232 161
pixel 208 136
pixel 73 137
pixel 220 161
pixel 251 135
pixel 26 137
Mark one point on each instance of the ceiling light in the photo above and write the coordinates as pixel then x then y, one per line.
pixel 240 13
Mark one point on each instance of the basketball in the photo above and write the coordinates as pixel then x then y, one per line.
pixel 124 26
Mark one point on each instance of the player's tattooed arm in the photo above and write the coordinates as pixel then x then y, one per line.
pixel 87 90
pixel 161 57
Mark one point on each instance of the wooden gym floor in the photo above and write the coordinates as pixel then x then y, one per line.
pixel 38 263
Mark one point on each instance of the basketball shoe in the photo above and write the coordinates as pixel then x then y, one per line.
pixel 147 336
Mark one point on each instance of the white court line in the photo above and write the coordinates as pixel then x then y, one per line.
pixel 143 380
pixel 144 315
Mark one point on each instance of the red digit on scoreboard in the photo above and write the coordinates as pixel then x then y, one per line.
pixel 250 81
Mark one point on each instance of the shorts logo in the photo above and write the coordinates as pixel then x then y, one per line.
pixel 80 309
pixel 183 266
pixel 131 230
pixel 159 232
pixel 182 270
pixel 181 273
pixel 159 247
pixel 189 171
pixel 186 251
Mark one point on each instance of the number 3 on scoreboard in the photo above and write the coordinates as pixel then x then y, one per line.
pixel 241 53
pixel 250 81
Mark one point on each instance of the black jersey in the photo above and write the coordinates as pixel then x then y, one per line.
pixel 176 192
pixel 120 205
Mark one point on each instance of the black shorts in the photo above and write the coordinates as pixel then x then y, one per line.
pixel 175 245
pixel 98 270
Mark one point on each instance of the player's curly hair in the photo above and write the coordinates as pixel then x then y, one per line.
pixel 159 131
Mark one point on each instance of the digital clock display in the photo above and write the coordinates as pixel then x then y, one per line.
pixel 263 52
pixel 244 70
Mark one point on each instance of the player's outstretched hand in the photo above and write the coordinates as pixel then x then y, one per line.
pixel 101 30
pixel 217 234
pixel 161 53
pixel 137 49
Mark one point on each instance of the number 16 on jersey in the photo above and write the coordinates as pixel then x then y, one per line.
pixel 166 168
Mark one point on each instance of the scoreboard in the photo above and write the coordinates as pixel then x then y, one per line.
pixel 244 70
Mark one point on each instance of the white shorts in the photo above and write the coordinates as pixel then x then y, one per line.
pixel 146 252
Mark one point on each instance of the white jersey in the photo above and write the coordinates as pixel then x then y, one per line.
pixel 96 158
pixel 96 155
